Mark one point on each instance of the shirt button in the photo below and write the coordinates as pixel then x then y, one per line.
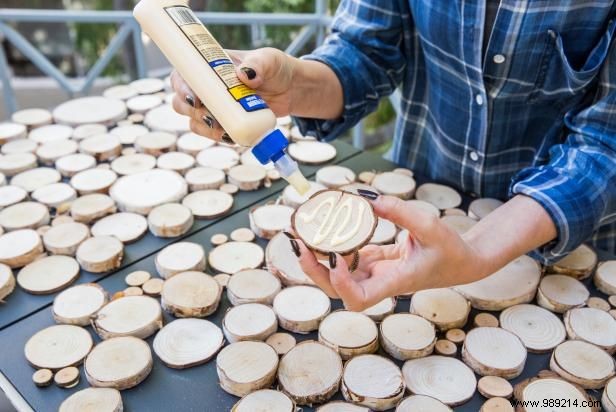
pixel 498 58
pixel 479 99
pixel 474 156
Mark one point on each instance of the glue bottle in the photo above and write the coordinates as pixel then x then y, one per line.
pixel 210 73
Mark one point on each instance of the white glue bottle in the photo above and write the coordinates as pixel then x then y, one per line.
pixel 210 73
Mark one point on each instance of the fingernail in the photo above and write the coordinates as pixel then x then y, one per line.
pixel 227 139
pixel 190 100
pixel 295 247
pixel 287 234
pixel 250 73
pixel 332 260
pixel 209 121
pixel 368 194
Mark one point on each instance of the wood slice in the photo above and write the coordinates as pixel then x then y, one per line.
pixel 120 92
pixel 455 335
pixel 605 277
pixel 144 103
pixel 454 212
pixel 180 257
pixel 102 147
pixel 514 284
pixel 253 286
pixel 268 220
pixel 88 130
pixel 77 304
pixel 155 143
pixel 33 179
pixel 89 208
pixel 281 342
pixel 208 204
pixel 420 403
pixel 535 390
pixel 559 293
pixel 222 279
pixel 384 233
pixel 244 367
pixel 496 405
pixel 24 215
pixel 147 85
pixel 612 300
pixel 20 247
pixel 95 109
pixel 291 197
pixel 310 373
pixel 394 184
pixel 334 177
pixel 133 291
pixel 94 399
pixel 598 303
pixel 14 163
pixel 251 321
pixel 406 336
pixel 16 147
pixel 264 400
pixel 242 234
pixel 440 377
pixel 592 325
pixel 340 406
pixel 246 177
pixel 301 309
pixel 218 239
pixel 494 386
pixel 460 224
pixel 281 261
pixel 445 347
pixel 153 287
pixel 608 399
pixel 247 158
pixel 580 263
pixel 204 178
pixel 32 117
pixel 133 164
pixel 126 227
pixel 232 257
pixel 93 181
pixel 50 133
pixel 49 274
pixel 67 377
pixel 7 281
pixel 494 351
pixel 538 329
pixel 229 188
pixel 176 161
pixel 441 196
pixel 100 254
pixel 312 152
pixel 72 164
pixel 138 316
pixel 349 333
pixel 297 136
pixel 170 220
pixel 141 192
pixel 120 363
pixel 381 310
pixel 55 195
pixel 335 221
pixel 218 157
pixel 12 131
pixel 49 152
pixel 62 220
pixel 184 343
pixel 485 320
pixel 128 134
pixel 583 364
pixel 480 208
pixel 165 119
pixel 446 308
pixel 193 143
pixel 372 381
pixel 58 346
pixel 42 377
pixel 9 195
pixel 191 294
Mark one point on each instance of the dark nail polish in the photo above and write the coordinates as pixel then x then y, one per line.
pixel 250 73
pixel 209 121
pixel 368 194
pixel 227 139
pixel 295 247
pixel 190 100
pixel 332 260
pixel 287 234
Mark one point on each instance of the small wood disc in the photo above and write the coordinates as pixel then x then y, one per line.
pixel 446 308
pixel 300 309
pixel 144 103
pixel 251 321
pixel 9 195
pixel 384 233
pixel 133 291
pixel 137 278
pixel 67 377
pixel 222 279
pixel 147 85
pixel 560 293
pixel 454 212
pixel 229 188
pixel 95 399
pixel 381 310
pixel 394 184
pixel 58 346
pixel 539 329
pixel 494 351
pixel 334 177
pixel 496 405
pixel 164 119
pixel 138 316
pixel 252 286
pixel 208 204
pixel 445 347
pixel 312 152
pixel 193 143
pixel 94 109
pixel 61 220
pixel 598 303
pixel 49 152
pixel 49 274
pixel 19 146
pixel 494 386
pixel 88 130
pixel 265 400
pixel 89 208
pixel 12 131
pixel 485 320
pixel 191 294
pixel 242 234
pixel 219 238
pixel 404 171
pixel 32 117
pixel 291 197
pixel 340 406
pixel 366 176
pixel 218 157
pixel 456 335
pixel 72 164
pixel 33 179
pixel 176 161
pixel 42 377
pixel 281 261
pixel 203 178
pixel 608 399
pixel 605 277
pixel 480 208
pixel 246 177
pixel 120 92
pixel 583 364
pixel 7 281
pixel 232 257
pixel 24 215
pixel 126 227
pixel 441 196
pixel 184 343
pixel 55 194
pixel 120 363
pixel 50 133
pixel 100 254
pixel 415 403
pixel 93 181
pixel 170 220
pixel 580 263
pixel 349 333
pixel 14 163
pixel 281 342
pixel 153 287
pixel 141 192
pixel 102 147
pixel 406 336
pixel 592 325
pixel 133 163
pixel 20 247
pixel 180 257
pixel 77 304
pixel 268 220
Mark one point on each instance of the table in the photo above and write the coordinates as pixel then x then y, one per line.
pixel 193 389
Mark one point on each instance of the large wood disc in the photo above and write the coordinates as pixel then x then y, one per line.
pixel 246 366
pixel 90 207
pixel 12 131
pixel 264 400
pixel 72 164
pixel 32 117
pixel 251 321
pixel 218 157
pixel 165 119
pixel 246 177
pixel 582 363
pixel 126 227
pixel 49 152
pixel 310 373
pixel 24 215
pixel 253 286
pixel 381 310
pixel 100 254
pixel 349 333
pixel 440 196
pixel 58 346
pixel 203 178
pixel 281 261
pixel 193 143
pixel 608 399
pixel 7 281
pixel 446 308
pixel 50 133
pixel 55 194
pixel 180 257
pixel 208 204
pixel 605 277
pixel 102 147
pixel 138 316
pixel 421 403
pixel 141 192
pixel 340 406
pixel 291 197
pixel 9 195
pixel 480 208
pixel 592 325
pixel 187 342
pixel 268 220
pixel 93 399
pixel 191 294
pixel 312 152
pixel 394 184
pixel 120 363
pixel 133 164
pixel 93 181
pixel 559 293
pixel 170 220
pixel 231 257
pixel 440 377
pixel 301 309
pixel 494 351
pixel 335 176
pixel 580 263
pixel 48 274
pixel 77 304
pixel 384 233
pixel 177 161
pixel 538 329
pixel 20 247
pixel 95 109
pixel 335 221
pixel 16 147
pixel 33 179
pixel 514 284
pixel 14 163
pixel 534 391
pixel 406 336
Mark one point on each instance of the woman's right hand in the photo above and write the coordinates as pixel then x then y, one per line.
pixel 268 71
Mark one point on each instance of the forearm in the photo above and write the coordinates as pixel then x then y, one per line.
pixel 316 90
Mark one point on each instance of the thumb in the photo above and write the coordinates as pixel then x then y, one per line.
pixel 257 66
pixel 418 222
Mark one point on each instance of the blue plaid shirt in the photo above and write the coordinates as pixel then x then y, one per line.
pixel 535 114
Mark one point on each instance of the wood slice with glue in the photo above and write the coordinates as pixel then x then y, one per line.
pixel 57 347
pixel 460 224
pixel 218 157
pixel 485 320
pixel 406 336
pixel 253 286
pixel 133 164
pixel 291 197
pixel 180 257
pixel 246 177
pixel 480 208
pixel 12 131
pixel 281 342
pixel 264 400
pixel 251 321
pixel 100 254
pixel 14 163
pixel 138 316
pixel 494 351
pixel 513 284
pixel 89 208
pixel 494 386
pixel 42 377
pixel 93 181
pixel 242 234
pixel 301 309
pixel 141 192
pixel 164 119
pixel 170 220
pixel 20 247
pixel 55 195
pixel 153 287
pixel 24 215
pixel 281 261
pixel 394 184
pixel 608 399
pixel 49 152
pixel 244 367
pixel 7 281
pixel 9 195
pixel 208 204
pixel 88 130
pixel 268 220
pixel 120 363
pixel 441 377
pixel 446 308
pixel 77 304
pixel 334 177
pixel 33 179
pixel 148 85
pixel 176 161
pixel 445 347
pixel 592 325
pixel 50 133
pixel 49 274
pixel 67 377
pixel 192 143
pixel 335 221
pixel 312 152
pixel 381 310
pixel 538 329
pixel 440 196
pixel 580 263
pixel 231 257
pixel 93 399
pixel 415 403
pixel 184 343
pixel 559 293
pixel 204 178
pixel 384 233
pixel 310 373
pixel 126 227
pixel 605 277
pixel 191 294
pixel 72 164
pixel 65 239
pixel 103 146
pixel 582 363
pixel 349 333
pixel 535 390
pixel 94 109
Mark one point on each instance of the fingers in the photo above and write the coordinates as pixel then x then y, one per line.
pixel 420 223
pixel 315 270
pixel 259 65
pixel 183 91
